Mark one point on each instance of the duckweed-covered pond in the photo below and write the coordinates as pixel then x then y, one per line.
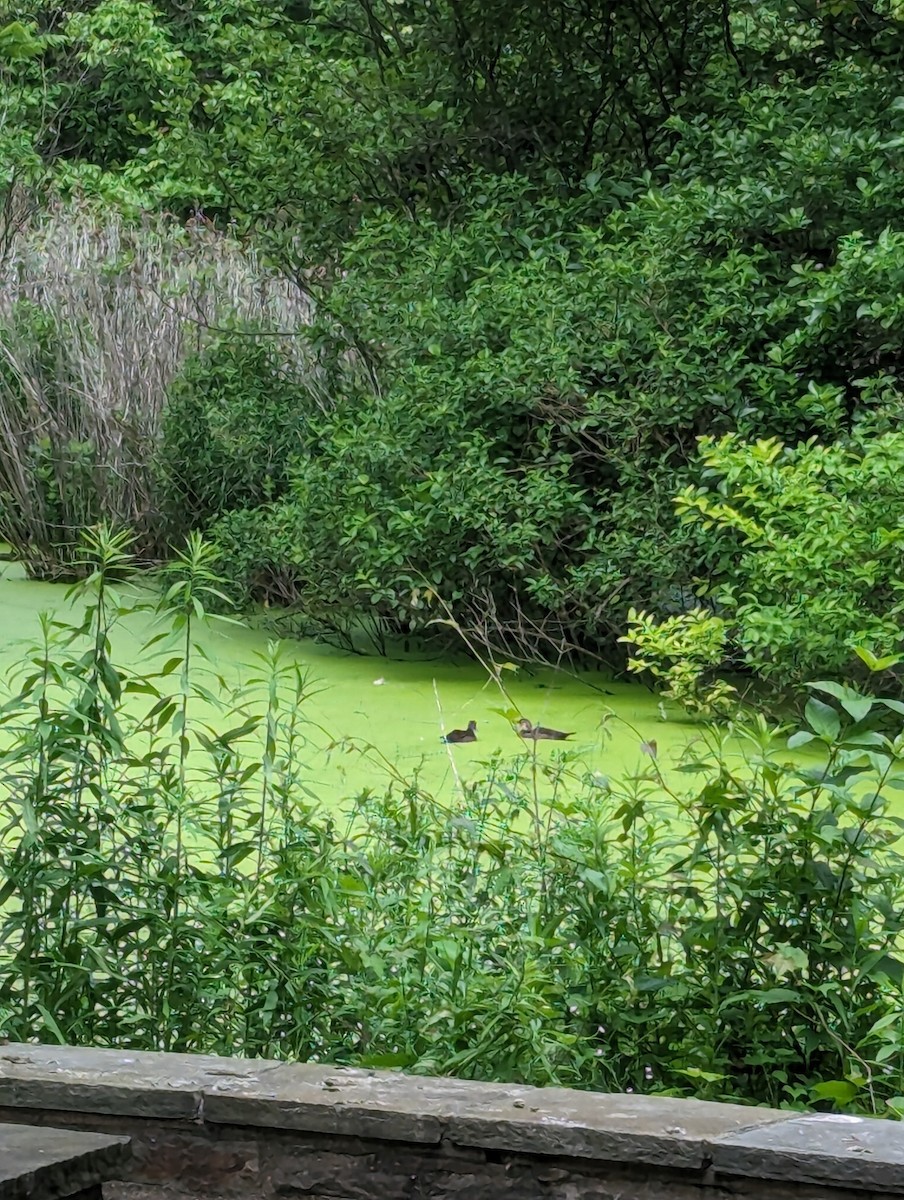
pixel 397 705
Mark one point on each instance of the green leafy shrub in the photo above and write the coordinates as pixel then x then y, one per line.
pixel 514 344
pixel 236 417
pixel 807 549
pixel 685 652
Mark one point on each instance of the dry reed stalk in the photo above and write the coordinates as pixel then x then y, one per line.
pixel 96 321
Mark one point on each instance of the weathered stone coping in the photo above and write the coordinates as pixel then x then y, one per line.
pixel 712 1141
pixel 53 1163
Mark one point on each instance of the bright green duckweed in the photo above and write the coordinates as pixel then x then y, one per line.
pixel 398 707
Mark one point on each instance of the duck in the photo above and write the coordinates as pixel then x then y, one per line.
pixel 462 735
pixel 537 733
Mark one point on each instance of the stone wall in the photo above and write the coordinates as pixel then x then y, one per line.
pixel 213 1127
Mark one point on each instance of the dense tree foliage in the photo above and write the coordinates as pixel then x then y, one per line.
pixel 551 247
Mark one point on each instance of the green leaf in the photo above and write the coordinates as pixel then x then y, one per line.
pixel 351 884
pixel 801 738
pixel 388 1061
pixel 17 42
pixel 877 664
pixel 51 1024
pixel 651 983
pixel 852 701
pixel 888 967
pixel 510 714
pixel 890 1018
pixel 699 1073
pixel 240 731
pixel 776 996
pixel 823 719
pixel 595 878
pixel 839 1090
pixel 787 958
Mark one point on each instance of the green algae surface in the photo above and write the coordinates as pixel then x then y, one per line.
pixel 364 713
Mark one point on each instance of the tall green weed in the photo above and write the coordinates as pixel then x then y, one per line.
pixel 169 882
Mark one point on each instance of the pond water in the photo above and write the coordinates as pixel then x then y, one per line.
pixel 396 705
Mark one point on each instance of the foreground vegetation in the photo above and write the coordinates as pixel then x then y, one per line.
pixel 170 885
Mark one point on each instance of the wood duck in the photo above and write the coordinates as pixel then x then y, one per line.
pixel 537 733
pixel 462 735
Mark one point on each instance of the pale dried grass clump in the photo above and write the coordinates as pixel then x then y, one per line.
pixel 96 319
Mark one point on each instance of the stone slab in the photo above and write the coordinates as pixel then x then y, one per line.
pixel 123 1083
pixel 654 1130
pixel 513 1118
pixel 835 1150
pixel 334 1100
pixel 46 1164
pixel 228 1099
